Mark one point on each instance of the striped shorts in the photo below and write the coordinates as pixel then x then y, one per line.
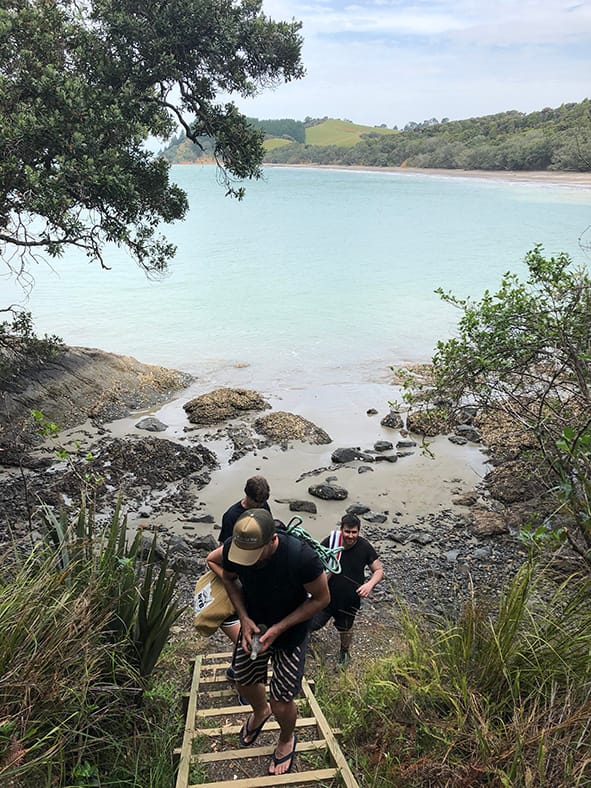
pixel 288 669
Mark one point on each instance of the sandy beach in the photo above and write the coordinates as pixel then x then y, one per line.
pixel 412 487
pixel 577 179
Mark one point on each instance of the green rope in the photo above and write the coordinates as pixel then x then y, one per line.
pixel 328 556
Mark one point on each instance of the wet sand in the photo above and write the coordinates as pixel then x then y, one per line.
pixel 413 486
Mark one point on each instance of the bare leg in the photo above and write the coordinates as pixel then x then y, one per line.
pixel 256 695
pixel 232 631
pixel 286 714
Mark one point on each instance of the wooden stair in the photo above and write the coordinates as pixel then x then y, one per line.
pixel 211 737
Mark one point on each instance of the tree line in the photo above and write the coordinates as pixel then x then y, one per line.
pixel 550 139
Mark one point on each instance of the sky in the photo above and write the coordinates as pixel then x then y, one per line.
pixel 394 61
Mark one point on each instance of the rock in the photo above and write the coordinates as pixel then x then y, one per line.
pixel 151 424
pixel 392 420
pixel 129 462
pixel 328 492
pixel 357 508
pixel 350 454
pixel 388 457
pixel 223 404
pixel 467 414
pixel 371 412
pixel 364 469
pixel 383 446
pixel 374 517
pixel 242 439
pixel 513 482
pixel 421 537
pixel 80 384
pixel 201 518
pixel 280 426
pixel 429 422
pixel 205 543
pixel 486 523
pixel 452 556
pixel 457 439
pixel 469 432
pixel 406 444
pixel 467 499
pixel 303 506
pixel 482 553
pixel 146 544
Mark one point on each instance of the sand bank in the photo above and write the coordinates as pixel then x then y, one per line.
pixel 576 179
pixel 412 487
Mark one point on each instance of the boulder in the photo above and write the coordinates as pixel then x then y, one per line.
pixel 357 508
pixel 151 424
pixel 374 517
pixel 80 384
pixel 429 422
pixel 392 420
pixel 223 405
pixel 280 426
pixel 388 457
pixel 303 506
pixel 328 492
pixel 350 454
pixel 383 446
pixel 486 523
pixel 469 432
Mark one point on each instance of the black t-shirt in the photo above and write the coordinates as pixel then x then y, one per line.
pixel 276 589
pixel 352 575
pixel 230 517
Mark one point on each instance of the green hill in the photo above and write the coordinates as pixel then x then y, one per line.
pixel 342 133
pixel 549 139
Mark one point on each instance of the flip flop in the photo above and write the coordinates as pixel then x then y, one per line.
pixel 289 757
pixel 251 734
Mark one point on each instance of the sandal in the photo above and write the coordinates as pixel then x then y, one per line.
pixel 289 757
pixel 251 734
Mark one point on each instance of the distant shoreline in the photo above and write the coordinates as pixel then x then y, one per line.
pixel 579 179
pixel 556 178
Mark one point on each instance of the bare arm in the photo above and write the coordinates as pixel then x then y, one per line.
pixel 214 561
pixel 234 591
pixel 377 574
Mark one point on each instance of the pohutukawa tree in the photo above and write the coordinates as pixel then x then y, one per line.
pixel 84 84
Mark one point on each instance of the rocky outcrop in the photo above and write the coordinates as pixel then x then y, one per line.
pixel 280 427
pixel 82 384
pixel 223 405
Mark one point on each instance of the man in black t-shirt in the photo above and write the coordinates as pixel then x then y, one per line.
pixel 256 495
pixel 349 587
pixel 277 584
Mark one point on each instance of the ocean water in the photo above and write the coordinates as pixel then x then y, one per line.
pixel 316 277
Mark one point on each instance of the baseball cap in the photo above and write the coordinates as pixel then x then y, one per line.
pixel 252 531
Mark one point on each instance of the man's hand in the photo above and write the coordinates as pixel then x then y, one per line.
pixel 249 629
pixel 365 590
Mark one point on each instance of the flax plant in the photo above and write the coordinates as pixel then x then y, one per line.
pixel 84 619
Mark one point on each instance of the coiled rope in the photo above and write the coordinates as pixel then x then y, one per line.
pixel 328 556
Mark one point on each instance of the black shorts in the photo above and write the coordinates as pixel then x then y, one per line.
pixel 288 669
pixel 343 614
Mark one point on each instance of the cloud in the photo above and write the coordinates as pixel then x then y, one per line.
pixel 393 61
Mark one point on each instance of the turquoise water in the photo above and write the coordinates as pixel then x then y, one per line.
pixel 317 276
